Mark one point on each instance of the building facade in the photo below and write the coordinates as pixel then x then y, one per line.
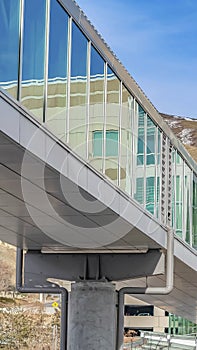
pixel 59 74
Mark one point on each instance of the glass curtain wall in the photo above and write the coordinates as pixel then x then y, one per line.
pixel 9 47
pixel 78 92
pixel 55 118
pixel 111 134
pixel 33 56
pixel 126 140
pixel 99 118
pixel 140 151
pixel 96 110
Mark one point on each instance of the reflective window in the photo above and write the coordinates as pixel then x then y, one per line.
pixel 150 149
pixel 9 29
pixel 139 194
pixel 111 149
pixel 126 140
pixel 187 204
pixel 141 135
pixel 32 92
pixel 112 124
pixel 97 143
pixel 194 212
pixel 78 92
pixel 179 195
pixel 150 194
pixel 96 108
pixel 57 71
pixel 139 150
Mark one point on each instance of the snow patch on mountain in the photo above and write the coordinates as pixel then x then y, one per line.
pixel 173 123
pixel 186 136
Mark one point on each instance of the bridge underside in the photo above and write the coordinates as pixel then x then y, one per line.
pixel 52 201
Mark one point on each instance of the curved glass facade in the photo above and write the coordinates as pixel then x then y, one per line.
pixel 57 73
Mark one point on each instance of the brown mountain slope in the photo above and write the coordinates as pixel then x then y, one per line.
pixel 7 266
pixel 186 131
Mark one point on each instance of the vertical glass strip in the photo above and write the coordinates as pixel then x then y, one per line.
pixel 57 71
pixel 126 140
pixel 179 195
pixel 78 92
pixel 32 87
pixel 140 150
pixel 187 204
pixel 96 109
pixel 112 126
pixel 9 47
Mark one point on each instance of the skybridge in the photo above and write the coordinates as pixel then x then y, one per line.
pixel 94 187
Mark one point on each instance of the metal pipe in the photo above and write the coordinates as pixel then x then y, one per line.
pixel 147 290
pixel 50 290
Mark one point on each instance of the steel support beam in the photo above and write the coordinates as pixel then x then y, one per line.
pixel 95 266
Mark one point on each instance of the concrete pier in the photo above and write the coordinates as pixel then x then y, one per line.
pixel 92 316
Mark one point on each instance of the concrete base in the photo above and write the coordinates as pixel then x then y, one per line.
pixel 92 316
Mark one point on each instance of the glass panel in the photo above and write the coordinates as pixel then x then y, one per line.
pixel 32 92
pixel 141 134
pixel 126 140
pixel 112 126
pixel 78 92
pixel 150 194
pixel 96 114
pixel 150 149
pixel 179 195
pixel 9 29
pixel 194 212
pixel 139 171
pixel 139 195
pixel 187 203
pixel 97 143
pixel 57 71
pixel 111 149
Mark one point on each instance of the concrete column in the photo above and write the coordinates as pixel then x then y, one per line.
pixel 92 316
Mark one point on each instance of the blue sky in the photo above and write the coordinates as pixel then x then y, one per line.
pixel 156 40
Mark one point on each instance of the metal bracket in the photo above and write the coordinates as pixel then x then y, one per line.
pixel 92 266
